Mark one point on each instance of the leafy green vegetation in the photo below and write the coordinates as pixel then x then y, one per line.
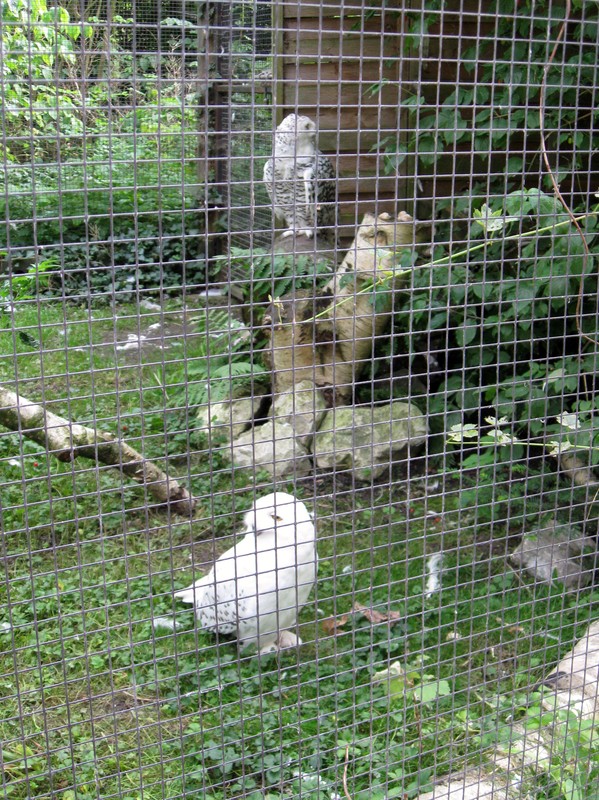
pixel 493 112
pixel 264 277
pixel 496 320
pixel 225 364
pixel 106 684
pixel 104 172
pixel 503 322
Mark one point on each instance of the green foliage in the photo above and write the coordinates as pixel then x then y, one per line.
pixel 223 364
pixel 115 192
pixel 17 288
pixel 505 309
pixel 500 99
pixel 264 276
pixel 502 315
pixel 509 303
pixel 574 764
pixel 38 46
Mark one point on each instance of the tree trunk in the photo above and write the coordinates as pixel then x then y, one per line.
pixel 328 338
pixel 67 440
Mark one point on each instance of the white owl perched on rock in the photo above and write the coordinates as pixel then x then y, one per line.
pixel 257 588
pixel 300 180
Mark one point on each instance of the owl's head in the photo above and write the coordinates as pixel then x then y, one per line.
pixel 280 512
pixel 298 130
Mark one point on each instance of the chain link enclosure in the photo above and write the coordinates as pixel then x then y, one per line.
pixel 421 375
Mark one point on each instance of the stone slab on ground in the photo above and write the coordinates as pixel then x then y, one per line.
pixel 368 440
pixel 557 553
pixel 303 409
pixel 228 418
pixel 273 447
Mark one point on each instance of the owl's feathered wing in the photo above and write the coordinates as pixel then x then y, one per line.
pixel 326 191
pixel 303 190
pixel 255 589
pixel 215 604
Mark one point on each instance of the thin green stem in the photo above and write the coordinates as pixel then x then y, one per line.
pixel 438 261
pixel 513 237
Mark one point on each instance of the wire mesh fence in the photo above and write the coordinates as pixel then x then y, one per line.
pixel 298 324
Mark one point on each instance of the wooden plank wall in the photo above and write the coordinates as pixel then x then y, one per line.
pixel 328 57
pixel 438 71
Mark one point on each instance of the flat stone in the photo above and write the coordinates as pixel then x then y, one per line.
pixel 368 440
pixel 273 447
pixel 303 409
pixel 228 418
pixel 557 553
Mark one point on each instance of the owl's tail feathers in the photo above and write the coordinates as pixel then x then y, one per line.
pixel 191 594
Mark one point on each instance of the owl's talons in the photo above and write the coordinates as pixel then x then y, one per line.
pixel 288 639
pixel 307 232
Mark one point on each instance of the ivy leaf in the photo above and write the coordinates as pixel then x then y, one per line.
pixel 569 421
pixel 347 279
pixel 412 101
pixel 555 375
pixel 466 333
pixel 557 448
pixel 427 150
pixel 393 160
pixel 496 422
pixel 462 432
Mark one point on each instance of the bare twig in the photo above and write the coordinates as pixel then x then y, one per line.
pixel 139 699
pixel 345 789
pixel 556 189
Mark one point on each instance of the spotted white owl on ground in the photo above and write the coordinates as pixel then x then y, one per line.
pixel 257 588
pixel 300 180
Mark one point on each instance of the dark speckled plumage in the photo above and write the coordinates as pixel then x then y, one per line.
pixel 300 180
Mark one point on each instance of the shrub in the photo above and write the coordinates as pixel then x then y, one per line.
pixel 106 181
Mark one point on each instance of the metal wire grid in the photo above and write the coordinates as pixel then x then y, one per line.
pixel 109 688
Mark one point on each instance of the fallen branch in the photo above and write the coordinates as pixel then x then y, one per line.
pixel 507 770
pixel 67 440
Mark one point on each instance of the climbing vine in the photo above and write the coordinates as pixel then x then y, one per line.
pixel 491 323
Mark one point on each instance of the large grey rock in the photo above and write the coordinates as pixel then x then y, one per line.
pixel 272 447
pixel 368 440
pixel 557 553
pixel 229 418
pixel 470 786
pixel 302 408
pixel 576 678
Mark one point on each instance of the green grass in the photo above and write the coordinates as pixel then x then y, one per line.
pixel 97 701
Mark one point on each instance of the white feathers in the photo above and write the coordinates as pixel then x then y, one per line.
pixel 257 588
pixel 434 568
pixel 300 180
